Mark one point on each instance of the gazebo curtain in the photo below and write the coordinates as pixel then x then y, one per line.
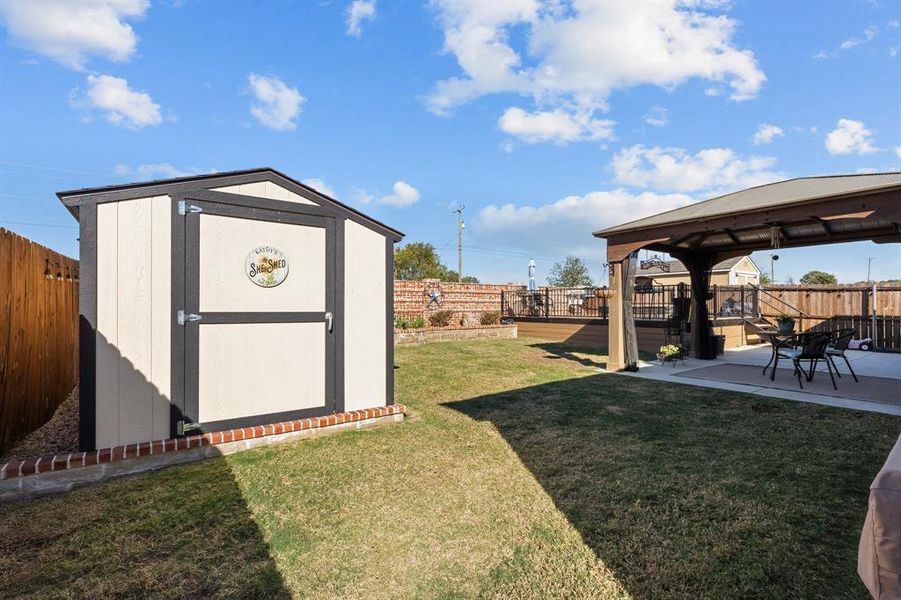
pixel 630 268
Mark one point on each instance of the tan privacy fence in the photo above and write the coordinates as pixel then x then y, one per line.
pixel 38 334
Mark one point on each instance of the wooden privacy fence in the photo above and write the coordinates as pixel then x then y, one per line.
pixel 38 334
pixel 832 307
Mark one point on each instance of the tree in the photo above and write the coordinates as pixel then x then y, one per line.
pixel 818 277
pixel 420 260
pixel 572 272
pixel 765 279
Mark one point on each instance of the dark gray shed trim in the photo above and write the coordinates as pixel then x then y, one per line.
pixel 74 199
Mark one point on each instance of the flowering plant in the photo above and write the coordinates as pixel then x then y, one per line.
pixel 670 351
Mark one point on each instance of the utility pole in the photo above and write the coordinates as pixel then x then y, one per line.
pixel 460 226
pixel 870 260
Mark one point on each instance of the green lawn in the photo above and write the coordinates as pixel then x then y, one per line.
pixel 521 472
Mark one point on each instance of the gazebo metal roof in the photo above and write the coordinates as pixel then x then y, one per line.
pixel 797 212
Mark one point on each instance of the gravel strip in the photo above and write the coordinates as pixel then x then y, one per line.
pixel 56 436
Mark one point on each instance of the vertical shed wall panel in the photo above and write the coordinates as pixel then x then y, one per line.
pixel 161 311
pixel 107 382
pixel 134 315
pixel 364 317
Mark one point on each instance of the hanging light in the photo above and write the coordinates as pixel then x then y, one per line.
pixel 59 272
pixel 47 273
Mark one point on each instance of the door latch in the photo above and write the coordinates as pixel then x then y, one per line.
pixel 184 317
pixel 329 321
pixel 182 427
pixel 185 208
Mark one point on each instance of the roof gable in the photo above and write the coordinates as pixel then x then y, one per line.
pixel 247 182
pixel 676 267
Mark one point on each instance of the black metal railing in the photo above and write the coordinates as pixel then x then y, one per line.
pixel 777 305
pixel 652 303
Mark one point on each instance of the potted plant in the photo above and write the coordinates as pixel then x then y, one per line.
pixel 786 323
pixel 669 352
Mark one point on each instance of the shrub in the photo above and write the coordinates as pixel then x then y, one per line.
pixel 490 318
pixel 417 322
pixel 401 322
pixel 441 318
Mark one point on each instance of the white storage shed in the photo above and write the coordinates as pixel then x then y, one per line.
pixel 228 300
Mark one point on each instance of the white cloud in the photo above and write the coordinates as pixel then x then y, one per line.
pixel 320 186
pixel 277 105
pixel 766 133
pixel 403 195
pixel 506 146
pixel 576 55
pixel 158 171
pixel 869 34
pixel 657 116
pixel 898 151
pixel 557 126
pixel 70 31
pixel 120 104
pixel 713 170
pixel 357 12
pixel 565 225
pixel 850 137
pixel 894 51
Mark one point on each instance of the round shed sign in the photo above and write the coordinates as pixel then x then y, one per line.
pixel 266 266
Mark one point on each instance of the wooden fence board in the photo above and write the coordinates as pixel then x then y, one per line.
pixel 38 334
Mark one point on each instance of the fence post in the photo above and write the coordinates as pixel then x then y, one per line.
pixel 502 304
pixel 864 312
pixel 742 301
pixel 547 306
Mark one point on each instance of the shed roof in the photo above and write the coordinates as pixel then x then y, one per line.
pixel 72 199
pixel 771 195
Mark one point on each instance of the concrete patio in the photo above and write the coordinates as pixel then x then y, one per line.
pixel 742 372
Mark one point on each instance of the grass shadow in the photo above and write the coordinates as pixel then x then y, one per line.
pixel 183 532
pixel 686 492
pixel 587 356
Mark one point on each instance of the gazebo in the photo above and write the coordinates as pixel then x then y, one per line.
pixel 806 211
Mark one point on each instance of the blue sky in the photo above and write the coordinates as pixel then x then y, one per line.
pixel 547 121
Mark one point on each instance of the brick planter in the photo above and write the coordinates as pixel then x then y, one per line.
pixel 21 479
pixel 406 337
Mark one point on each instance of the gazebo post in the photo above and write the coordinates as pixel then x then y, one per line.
pixel 622 338
pixel 616 343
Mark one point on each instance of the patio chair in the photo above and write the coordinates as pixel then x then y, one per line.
pixel 813 349
pixel 838 347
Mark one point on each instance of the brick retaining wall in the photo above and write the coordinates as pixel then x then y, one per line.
pixel 408 337
pixel 20 479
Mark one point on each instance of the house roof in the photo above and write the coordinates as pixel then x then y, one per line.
pixel 676 267
pixel 762 197
pixel 72 199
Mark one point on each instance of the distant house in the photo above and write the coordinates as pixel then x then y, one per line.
pixel 734 271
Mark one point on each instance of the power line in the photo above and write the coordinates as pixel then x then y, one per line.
pixel 39 224
pixel 59 169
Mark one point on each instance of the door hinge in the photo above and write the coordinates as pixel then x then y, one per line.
pixel 185 208
pixel 184 317
pixel 182 427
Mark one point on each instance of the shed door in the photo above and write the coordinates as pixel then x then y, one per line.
pixel 259 316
